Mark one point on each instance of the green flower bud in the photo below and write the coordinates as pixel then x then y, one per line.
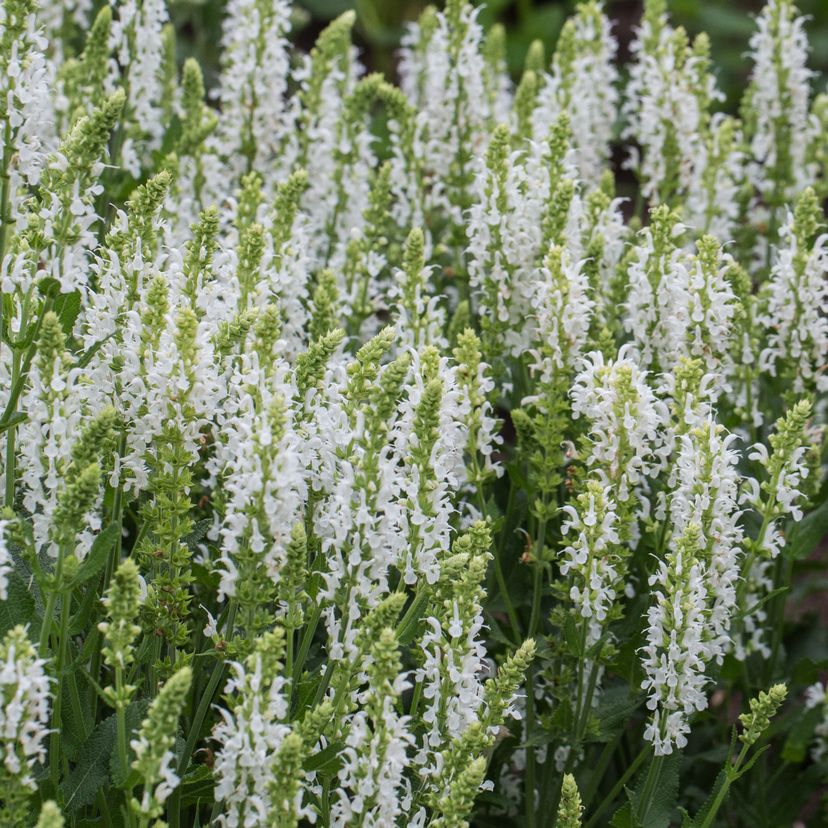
pixel 570 808
pixel 122 601
pixel 762 709
pixel 50 816
pixel 154 742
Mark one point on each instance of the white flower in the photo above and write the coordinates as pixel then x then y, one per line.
pixel 666 108
pixel 257 118
pixel 778 98
pixel 816 696
pixel 24 707
pixel 136 40
pixel 249 735
pixel 795 314
pixel 563 309
pixel 445 77
pixel 678 644
pixel 705 494
pixel 6 567
pixel 623 417
pixel 583 83
pixel 591 562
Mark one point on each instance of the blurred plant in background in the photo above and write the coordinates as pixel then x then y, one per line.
pixel 380 24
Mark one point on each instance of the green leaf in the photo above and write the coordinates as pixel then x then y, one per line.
pixel 327 761
pixel 134 716
pixel 664 794
pixel 623 817
pixel 801 734
pixel 573 636
pixel 95 561
pixel 615 706
pixel 17 417
pixel 19 606
pixel 49 286
pixel 86 357
pixel 92 770
pixel 197 786
pixel 197 534
pixel 82 784
pixel 804 536
pixel 67 307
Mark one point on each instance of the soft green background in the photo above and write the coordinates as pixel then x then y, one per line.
pixel 728 22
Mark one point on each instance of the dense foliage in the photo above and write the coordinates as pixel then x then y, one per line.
pixel 366 460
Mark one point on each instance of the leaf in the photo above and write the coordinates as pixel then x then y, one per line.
pixel 134 716
pixel 327 761
pixel 92 770
pixel 86 356
pixel 82 784
pixel 663 796
pixel 573 637
pixel 804 536
pixel 19 606
pixel 807 671
pixel 623 817
pixel 197 534
pixel 67 307
pixel 49 286
pixel 95 561
pixel 14 420
pixel 615 706
pixel 197 786
pixel 801 734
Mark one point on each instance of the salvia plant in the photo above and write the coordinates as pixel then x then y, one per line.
pixel 367 460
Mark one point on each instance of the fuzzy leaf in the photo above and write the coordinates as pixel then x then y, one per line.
pixel 95 561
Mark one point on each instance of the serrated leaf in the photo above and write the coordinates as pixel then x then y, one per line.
pixel 67 307
pixel 98 555
pixel 804 536
pixel 623 817
pixel 134 716
pixel 326 762
pixel 197 534
pixel 573 636
pixel 615 706
pixel 663 796
pixel 19 606
pixel 801 734
pixel 84 781
pixel 197 786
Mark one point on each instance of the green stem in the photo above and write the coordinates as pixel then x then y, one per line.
pixel 531 786
pixel 120 712
pixel 5 190
pixel 618 786
pixel 534 622
pixel 116 516
pixel 600 769
pixel 54 738
pixel 289 633
pixel 174 809
pixel 10 438
pixel 304 646
pixel 49 611
pixel 650 783
pixel 724 790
